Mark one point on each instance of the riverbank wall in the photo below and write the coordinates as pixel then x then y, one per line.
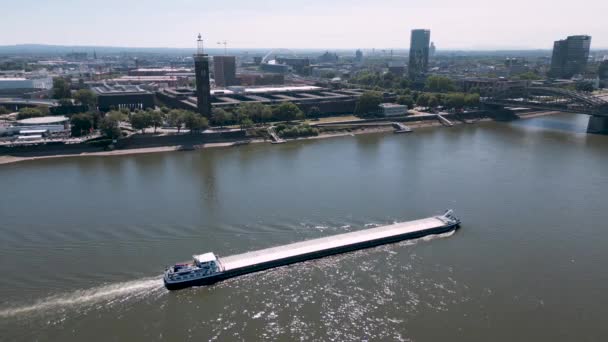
pixel 136 141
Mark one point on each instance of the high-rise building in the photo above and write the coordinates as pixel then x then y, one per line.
pixel 570 56
pixel 203 89
pixel 419 54
pixel 359 56
pixel 603 74
pixel 432 50
pixel 224 70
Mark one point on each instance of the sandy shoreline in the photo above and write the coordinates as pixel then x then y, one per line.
pixel 416 124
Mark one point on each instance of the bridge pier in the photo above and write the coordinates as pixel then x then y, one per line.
pixel 598 125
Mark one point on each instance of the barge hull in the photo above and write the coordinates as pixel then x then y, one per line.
pixel 251 262
pixel 333 251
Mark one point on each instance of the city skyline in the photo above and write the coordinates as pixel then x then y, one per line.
pixel 468 25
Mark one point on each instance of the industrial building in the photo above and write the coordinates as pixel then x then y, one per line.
pixel 17 86
pixel 224 71
pixel 149 82
pixel 396 68
pixel 393 109
pixel 274 67
pixel 259 79
pixel 419 54
pixel 298 64
pixel 328 101
pixel 570 56
pixel 123 96
pixel 161 72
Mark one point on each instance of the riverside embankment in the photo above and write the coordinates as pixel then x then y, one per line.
pixel 151 143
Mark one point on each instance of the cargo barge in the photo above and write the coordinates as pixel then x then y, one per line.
pixel 206 269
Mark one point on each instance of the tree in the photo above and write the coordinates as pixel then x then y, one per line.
pixel 157 119
pixel 455 101
pixel 81 124
pixel 246 123
pixel 3 110
pixel 433 101
pixel 288 111
pixel 406 100
pixel 175 118
pixel 471 100
pixel 61 88
pixel 110 124
pixel 314 112
pixel 256 111
pixel 404 83
pixel 141 120
pixel 584 86
pixel 423 100
pixel 529 76
pixel 368 103
pixel 195 122
pixel 220 117
pixel 65 102
pixel 86 97
pixel 117 116
pixel 439 84
pixel 26 113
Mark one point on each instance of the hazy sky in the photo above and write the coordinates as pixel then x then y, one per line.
pixel 455 24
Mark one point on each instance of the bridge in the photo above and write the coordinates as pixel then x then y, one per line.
pixel 557 99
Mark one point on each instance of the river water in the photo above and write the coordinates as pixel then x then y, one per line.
pixel 83 241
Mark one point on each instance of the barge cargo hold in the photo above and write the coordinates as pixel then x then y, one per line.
pixel 207 269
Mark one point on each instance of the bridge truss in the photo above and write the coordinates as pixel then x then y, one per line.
pixel 548 98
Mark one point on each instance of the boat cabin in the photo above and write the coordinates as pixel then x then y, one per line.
pixel 207 261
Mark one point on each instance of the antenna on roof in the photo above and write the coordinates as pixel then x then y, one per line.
pixel 199 45
pixel 225 43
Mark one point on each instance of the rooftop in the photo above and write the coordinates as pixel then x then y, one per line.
pixel 163 70
pixel 13 79
pixel 207 257
pixel 391 105
pixel 107 89
pixel 44 120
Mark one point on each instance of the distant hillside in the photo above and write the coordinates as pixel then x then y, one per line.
pixel 61 50
pixel 39 49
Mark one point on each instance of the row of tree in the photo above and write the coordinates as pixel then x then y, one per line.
pixel 246 114
pixel 32 112
pixel 389 81
pixel 376 80
pixel 62 91
pixel 289 131
pixel 367 105
pixel 109 124
pixel 456 101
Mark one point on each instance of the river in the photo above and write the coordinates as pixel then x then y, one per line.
pixel 83 241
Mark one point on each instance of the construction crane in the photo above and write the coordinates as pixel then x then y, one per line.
pixel 225 43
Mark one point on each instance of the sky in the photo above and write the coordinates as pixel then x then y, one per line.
pixel 327 24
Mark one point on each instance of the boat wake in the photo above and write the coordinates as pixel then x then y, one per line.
pixel 102 296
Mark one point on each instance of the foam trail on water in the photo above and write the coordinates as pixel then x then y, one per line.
pixel 439 236
pixel 105 295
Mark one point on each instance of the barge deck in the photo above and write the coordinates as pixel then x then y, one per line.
pixel 327 243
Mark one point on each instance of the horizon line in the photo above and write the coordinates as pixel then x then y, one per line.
pixel 481 48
